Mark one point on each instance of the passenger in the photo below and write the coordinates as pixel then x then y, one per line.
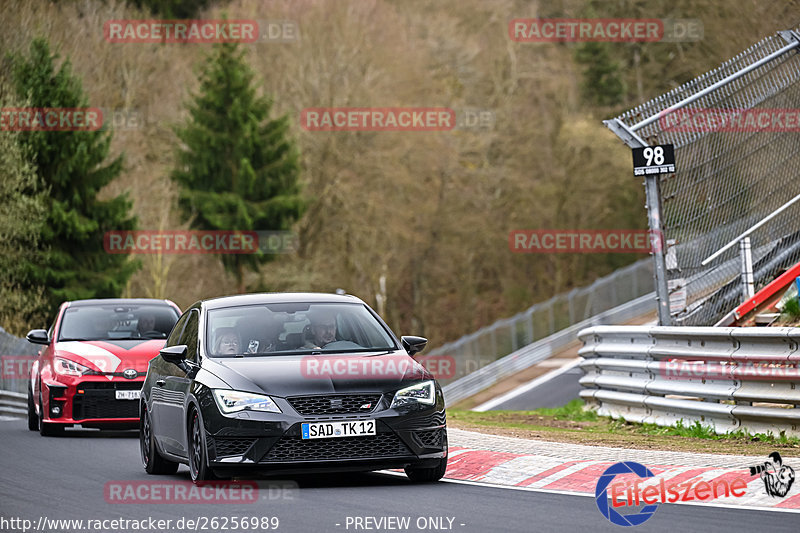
pixel 228 342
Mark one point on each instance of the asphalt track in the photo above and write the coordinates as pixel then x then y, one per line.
pixel 64 478
pixel 554 392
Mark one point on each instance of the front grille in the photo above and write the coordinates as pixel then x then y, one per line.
pixel 232 445
pixel 431 438
pixel 111 385
pixel 335 404
pixel 297 449
pixel 99 401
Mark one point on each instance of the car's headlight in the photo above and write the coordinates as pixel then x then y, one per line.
pixel 231 401
pixel 65 367
pixel 424 393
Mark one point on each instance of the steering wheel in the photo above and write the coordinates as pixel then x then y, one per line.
pixel 342 345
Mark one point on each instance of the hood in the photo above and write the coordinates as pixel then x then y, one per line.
pixel 110 356
pixel 299 375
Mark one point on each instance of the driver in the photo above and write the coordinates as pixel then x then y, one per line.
pixel 147 323
pixel 323 328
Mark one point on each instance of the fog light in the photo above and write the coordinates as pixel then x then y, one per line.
pixel 56 410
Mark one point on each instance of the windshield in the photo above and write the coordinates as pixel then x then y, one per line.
pixel 295 328
pixel 117 322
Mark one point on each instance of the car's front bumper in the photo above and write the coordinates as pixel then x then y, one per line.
pixel 272 442
pixel 91 402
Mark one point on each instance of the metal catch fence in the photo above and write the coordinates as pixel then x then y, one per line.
pixel 736 133
pixel 481 348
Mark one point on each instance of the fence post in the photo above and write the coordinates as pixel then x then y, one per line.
pixel 530 328
pixel 652 186
pixel 746 254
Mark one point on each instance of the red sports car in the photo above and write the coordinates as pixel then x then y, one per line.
pixel 94 363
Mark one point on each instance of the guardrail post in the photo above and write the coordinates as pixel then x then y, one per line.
pixel 748 283
pixel 513 331
pixel 570 306
pixel 530 329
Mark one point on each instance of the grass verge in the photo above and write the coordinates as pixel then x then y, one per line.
pixel 571 423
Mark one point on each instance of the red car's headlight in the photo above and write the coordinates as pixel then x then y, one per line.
pixel 65 367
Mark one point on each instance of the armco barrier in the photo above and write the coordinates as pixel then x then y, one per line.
pixel 13 404
pixel 540 350
pixel 725 378
pixel 11 346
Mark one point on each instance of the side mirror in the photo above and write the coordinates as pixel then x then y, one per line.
pixel 174 354
pixel 413 344
pixel 38 336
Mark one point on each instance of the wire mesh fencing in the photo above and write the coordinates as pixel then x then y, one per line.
pixel 736 133
pixel 476 350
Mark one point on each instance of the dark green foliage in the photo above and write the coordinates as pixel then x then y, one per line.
pixel 238 169
pixel 22 215
pixel 71 262
pixel 172 9
pixel 602 80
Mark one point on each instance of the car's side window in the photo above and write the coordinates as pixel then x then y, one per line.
pixel 189 335
pixel 175 334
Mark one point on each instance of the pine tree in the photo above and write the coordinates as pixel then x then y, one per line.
pixel 238 169
pixel 22 215
pixel 73 167
pixel 602 79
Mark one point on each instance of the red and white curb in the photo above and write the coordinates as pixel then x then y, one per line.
pixel 581 476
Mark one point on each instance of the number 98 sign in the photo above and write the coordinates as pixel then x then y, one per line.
pixel 654 160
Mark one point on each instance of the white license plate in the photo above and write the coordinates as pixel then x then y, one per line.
pixel 128 394
pixel 328 430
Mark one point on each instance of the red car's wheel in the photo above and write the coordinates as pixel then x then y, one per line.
pixel 33 418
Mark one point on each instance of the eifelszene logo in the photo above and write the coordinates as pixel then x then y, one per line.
pixel 601 495
pixel 777 477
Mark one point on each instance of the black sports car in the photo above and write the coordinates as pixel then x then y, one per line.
pixel 290 382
